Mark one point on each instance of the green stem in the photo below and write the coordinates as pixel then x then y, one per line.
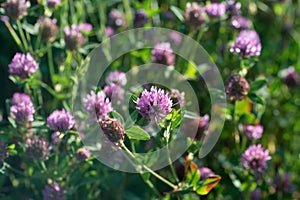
pixel 173 171
pixel 13 169
pixel 72 11
pixel 43 166
pixel 101 11
pixel 50 63
pixel 38 40
pixel 150 184
pixel 127 10
pixel 23 38
pixel 150 170
pixel 14 35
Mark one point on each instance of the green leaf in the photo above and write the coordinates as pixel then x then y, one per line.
pixel 193 176
pixel 38 123
pixel 137 133
pixel 208 184
pixel 191 71
pixel 130 121
pixel 255 98
pixel 12 146
pixel 256 85
pixel 177 12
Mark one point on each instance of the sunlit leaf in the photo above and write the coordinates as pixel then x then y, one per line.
pixel 137 133
pixel 208 184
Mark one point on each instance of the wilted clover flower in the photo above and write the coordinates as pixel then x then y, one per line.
pixel 116 77
pixel 53 3
pixel 247 44
pixel 162 53
pixel 236 88
pixel 253 131
pixel 154 104
pixel 48 28
pixel 114 92
pixel 97 104
pixel 140 18
pixel 3 152
pixel 292 78
pixel 20 98
pixel 255 158
pixel 16 9
pixel 116 19
pixel 82 154
pixel 178 98
pixel 23 65
pixel 37 148
pixel 194 15
pixel 22 113
pixel 53 192
pixel 215 9
pixel 73 37
pixel 240 23
pixel 205 173
pixel 233 7
pixel 113 129
pixel 60 120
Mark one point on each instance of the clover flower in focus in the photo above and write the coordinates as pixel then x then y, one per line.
pixel 247 44
pixel 48 28
pixel 16 9
pixel 236 88
pixel 140 18
pixel 82 154
pixel 255 158
pixel 162 53
pixel 240 23
pixel 194 15
pixel 154 104
pixel 253 131
pixel 37 148
pixel 97 105
pixel 23 65
pixel 74 38
pixel 3 152
pixel 215 9
pixel 53 192
pixel 116 19
pixel 113 129
pixel 60 120
pixel 116 77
